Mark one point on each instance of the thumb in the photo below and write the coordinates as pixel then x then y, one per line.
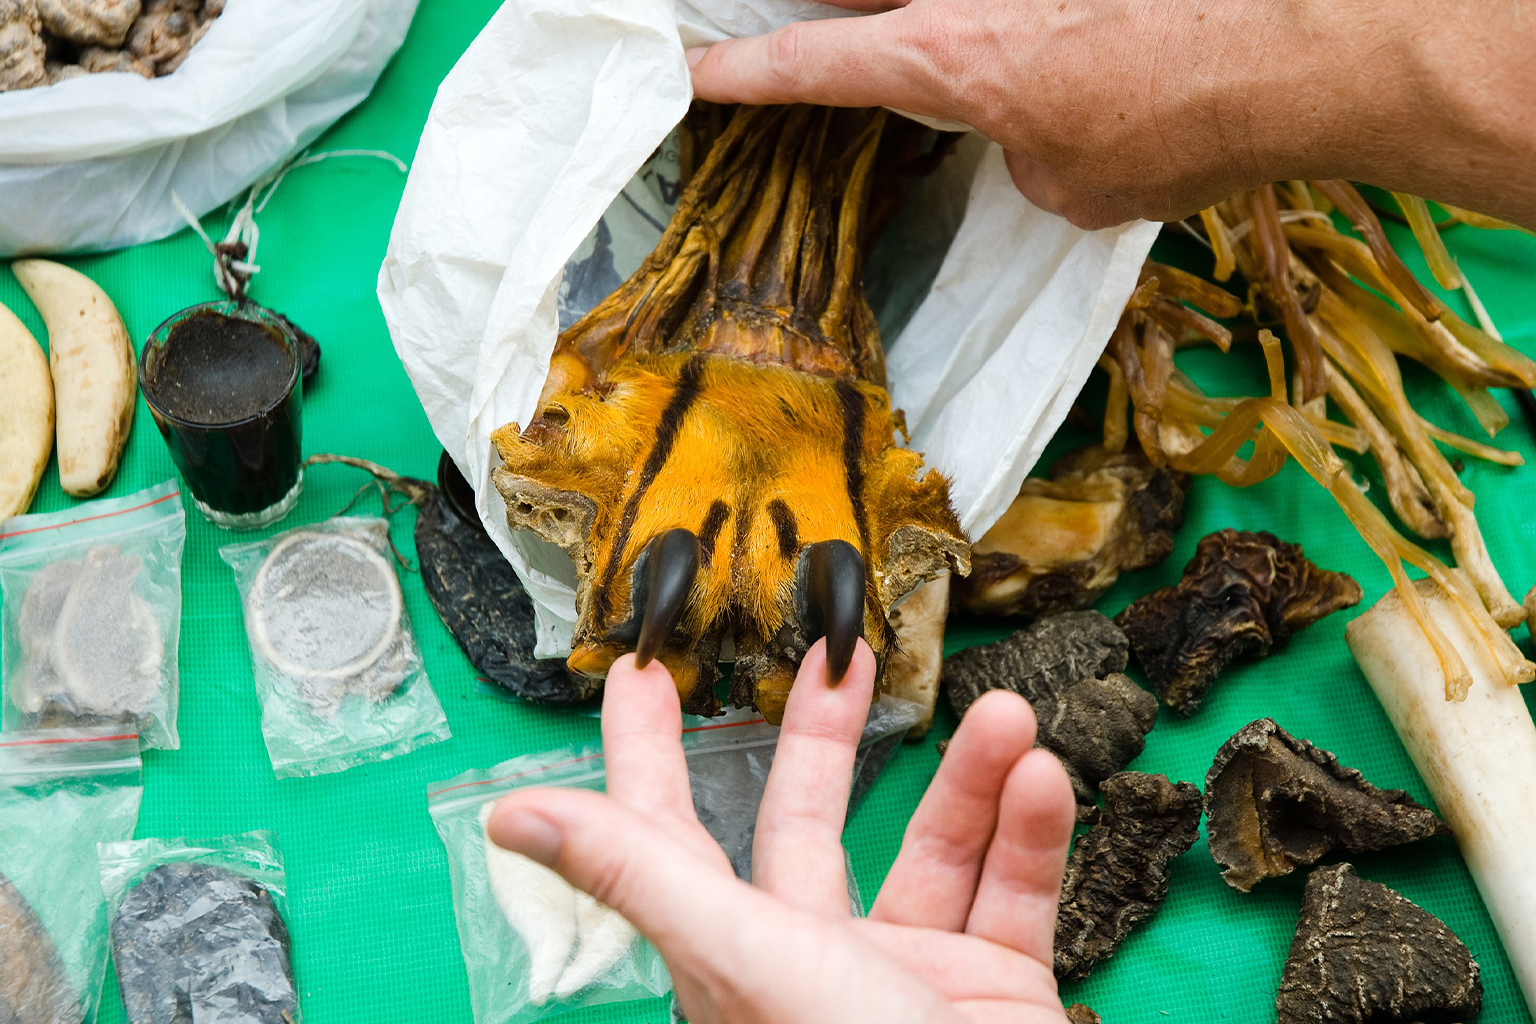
pixel 841 62
pixel 665 888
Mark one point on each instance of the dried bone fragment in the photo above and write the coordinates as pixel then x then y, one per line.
pixel 22 51
pixel 33 988
pixel 89 22
pixel 1364 954
pixel 1276 802
pixel 1118 873
pixel 98 60
pixel 1065 540
pixel 913 672
pixel 1242 594
pixel 1067 666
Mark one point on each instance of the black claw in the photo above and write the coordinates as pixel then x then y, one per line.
pixel 834 581
pixel 673 563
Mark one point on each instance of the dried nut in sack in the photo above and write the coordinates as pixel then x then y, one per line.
pixel 197 942
pixel 1364 954
pixel 714 446
pixel 22 50
pixel 93 645
pixel 1275 803
pixel 89 22
pixel 33 988
pixel 1065 540
pixel 324 612
pixel 1117 875
pixel 1242 595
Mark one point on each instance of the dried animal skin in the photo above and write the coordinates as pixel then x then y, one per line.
pixel 731 391
pixel 197 942
pixel 1117 875
pixel 1242 594
pixel 1364 954
pixel 1065 540
pixel 1091 717
pixel 97 60
pixel 33 988
pixel 22 51
pixel 89 22
pixel 1276 802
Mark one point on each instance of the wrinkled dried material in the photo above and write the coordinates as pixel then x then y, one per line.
pixel 89 22
pixel 1117 875
pixel 1276 802
pixel 33 988
pixel 1068 667
pixel 1077 1013
pixel 196 942
pixel 22 50
pixel 1242 594
pixel 1065 540
pixel 1364 954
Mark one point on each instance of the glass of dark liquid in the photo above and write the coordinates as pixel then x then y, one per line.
pixel 222 380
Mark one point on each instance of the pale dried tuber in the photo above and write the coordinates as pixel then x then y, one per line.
pixel 89 22
pixel 22 50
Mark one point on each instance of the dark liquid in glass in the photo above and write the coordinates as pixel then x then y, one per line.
pixel 223 392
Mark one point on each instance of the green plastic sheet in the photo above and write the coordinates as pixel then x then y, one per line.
pixel 369 897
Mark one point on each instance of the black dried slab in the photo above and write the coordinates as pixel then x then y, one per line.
pixel 196 942
pixel 1118 873
pixel 1363 953
pixel 485 607
pixel 33 988
pixel 1275 803
pixel 1243 594
pixel 1067 666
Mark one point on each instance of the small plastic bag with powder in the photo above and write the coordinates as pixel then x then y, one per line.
pixel 92 614
pixel 337 668
pixel 533 945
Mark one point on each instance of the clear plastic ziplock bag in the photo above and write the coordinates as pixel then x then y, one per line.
pixel 534 946
pixel 61 793
pixel 337 668
pixel 199 930
pixel 92 615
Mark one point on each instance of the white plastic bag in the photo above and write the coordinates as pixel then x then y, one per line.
pixel 90 163
pixel 550 114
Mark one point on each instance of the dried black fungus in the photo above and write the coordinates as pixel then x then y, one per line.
pixel 1065 540
pixel 1364 954
pixel 1068 667
pixel 33 988
pixel 484 605
pixel 197 943
pixel 1118 873
pixel 1242 594
pixel 1276 802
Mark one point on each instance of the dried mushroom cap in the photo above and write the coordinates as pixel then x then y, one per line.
pixel 1363 953
pixel 22 51
pixel 1065 540
pixel 1276 802
pixel 1242 594
pixel 1118 873
pixel 89 22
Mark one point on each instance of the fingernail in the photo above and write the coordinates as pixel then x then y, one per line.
pixel 695 55
pixel 532 835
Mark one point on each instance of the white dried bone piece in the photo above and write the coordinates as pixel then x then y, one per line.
pixel 539 905
pixel 22 51
pixel 324 612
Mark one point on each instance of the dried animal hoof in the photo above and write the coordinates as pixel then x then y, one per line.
pixel 89 22
pixel 1065 540
pixel 1276 803
pixel 1242 594
pixel 1365 955
pixel 1117 875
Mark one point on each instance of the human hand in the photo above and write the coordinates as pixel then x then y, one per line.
pixel 962 929
pixel 1110 110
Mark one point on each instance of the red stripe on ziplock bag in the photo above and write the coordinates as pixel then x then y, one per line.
pixel 72 739
pixel 519 775
pixel 726 725
pixel 87 519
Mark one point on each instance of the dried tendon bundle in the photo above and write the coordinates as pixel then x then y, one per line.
pixel 715 448
pixel 1327 289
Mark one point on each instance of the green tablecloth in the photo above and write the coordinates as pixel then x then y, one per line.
pixel 371 912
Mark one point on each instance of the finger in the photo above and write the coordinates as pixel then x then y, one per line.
pixel 642 729
pixel 934 878
pixel 1021 881
pixel 841 62
pixel 797 853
